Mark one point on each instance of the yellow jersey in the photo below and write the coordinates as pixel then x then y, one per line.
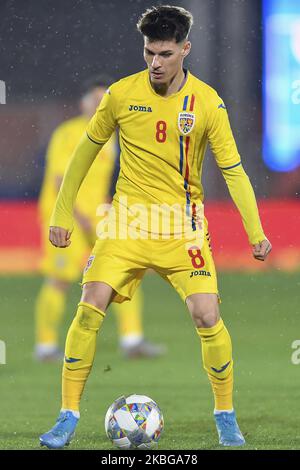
pixel 163 140
pixel 94 188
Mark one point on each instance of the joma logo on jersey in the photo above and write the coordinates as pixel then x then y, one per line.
pixel 143 109
pixel 186 122
pixel 200 273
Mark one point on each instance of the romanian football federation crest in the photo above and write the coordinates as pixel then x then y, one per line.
pixel 186 122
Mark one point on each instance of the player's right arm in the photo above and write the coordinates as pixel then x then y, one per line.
pixel 98 132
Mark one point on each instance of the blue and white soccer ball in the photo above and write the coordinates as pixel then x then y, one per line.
pixel 134 422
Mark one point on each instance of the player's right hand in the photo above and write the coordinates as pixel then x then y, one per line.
pixel 59 237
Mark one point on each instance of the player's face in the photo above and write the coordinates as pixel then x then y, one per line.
pixel 164 59
pixel 90 101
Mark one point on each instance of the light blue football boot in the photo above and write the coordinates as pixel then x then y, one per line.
pixel 228 429
pixel 61 433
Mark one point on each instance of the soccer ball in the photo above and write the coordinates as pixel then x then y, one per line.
pixel 134 422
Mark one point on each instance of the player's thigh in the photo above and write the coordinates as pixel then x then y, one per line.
pixel 191 267
pixel 120 264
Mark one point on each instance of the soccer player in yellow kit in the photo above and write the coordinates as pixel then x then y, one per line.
pixel 166 117
pixel 63 267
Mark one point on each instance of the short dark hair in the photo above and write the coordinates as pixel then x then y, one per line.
pixel 165 23
pixel 96 81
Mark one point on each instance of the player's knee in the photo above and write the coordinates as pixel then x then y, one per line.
pixel 97 294
pixel 95 302
pixel 205 319
pixel 204 310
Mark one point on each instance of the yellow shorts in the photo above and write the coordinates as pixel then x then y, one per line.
pixel 65 264
pixel 187 266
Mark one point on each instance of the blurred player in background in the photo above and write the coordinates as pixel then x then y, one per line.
pixel 63 267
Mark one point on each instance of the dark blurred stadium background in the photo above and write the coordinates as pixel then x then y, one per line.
pixel 47 49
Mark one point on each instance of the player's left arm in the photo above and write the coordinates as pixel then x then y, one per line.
pixel 242 193
pixel 228 160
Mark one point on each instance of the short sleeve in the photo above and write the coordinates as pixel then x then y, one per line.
pixel 220 136
pixel 104 122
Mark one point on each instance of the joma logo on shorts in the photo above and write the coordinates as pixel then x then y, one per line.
pixel 144 109
pixel 200 273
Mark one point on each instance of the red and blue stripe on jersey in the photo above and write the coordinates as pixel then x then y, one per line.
pixel 184 144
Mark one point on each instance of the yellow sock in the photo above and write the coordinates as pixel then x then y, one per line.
pixel 79 353
pixel 49 309
pixel 218 363
pixel 129 316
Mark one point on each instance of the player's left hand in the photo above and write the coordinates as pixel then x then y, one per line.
pixel 261 250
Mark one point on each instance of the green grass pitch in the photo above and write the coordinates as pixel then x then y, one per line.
pixel 262 314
